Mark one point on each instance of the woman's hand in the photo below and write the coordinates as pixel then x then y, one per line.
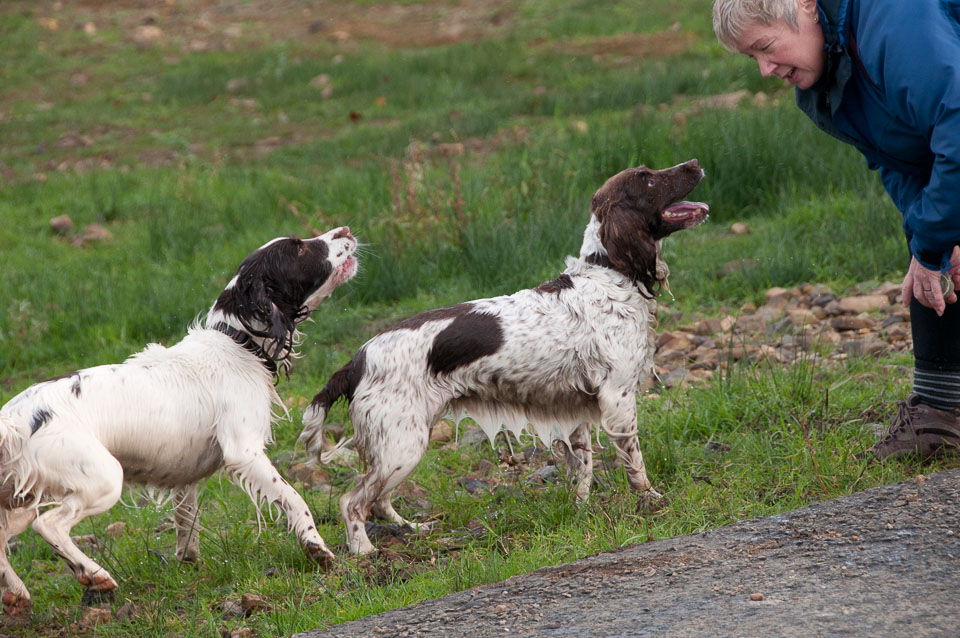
pixel 924 284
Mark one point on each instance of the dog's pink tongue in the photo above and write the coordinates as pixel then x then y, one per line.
pixel 687 213
pixel 680 208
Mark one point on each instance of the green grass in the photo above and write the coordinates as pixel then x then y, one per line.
pixel 189 178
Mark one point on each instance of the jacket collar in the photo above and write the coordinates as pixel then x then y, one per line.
pixel 833 20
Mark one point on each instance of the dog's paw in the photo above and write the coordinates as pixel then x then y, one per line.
pixel 16 606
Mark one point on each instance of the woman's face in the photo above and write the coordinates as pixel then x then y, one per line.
pixel 795 56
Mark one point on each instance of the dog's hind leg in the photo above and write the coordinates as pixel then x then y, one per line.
pixel 260 478
pixel 16 598
pixel 93 481
pixel 579 456
pixel 391 461
pixel 618 414
pixel 186 516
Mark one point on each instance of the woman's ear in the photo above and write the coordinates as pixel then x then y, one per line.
pixel 808 8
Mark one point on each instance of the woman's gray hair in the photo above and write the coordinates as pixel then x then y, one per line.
pixel 732 17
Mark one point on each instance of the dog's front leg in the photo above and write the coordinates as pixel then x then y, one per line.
pixel 618 414
pixel 261 479
pixel 187 519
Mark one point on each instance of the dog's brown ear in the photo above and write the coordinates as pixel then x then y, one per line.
pixel 630 247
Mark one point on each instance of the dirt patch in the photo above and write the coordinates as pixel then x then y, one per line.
pixel 201 25
pixel 630 45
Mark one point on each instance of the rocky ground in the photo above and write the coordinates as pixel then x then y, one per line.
pixel 882 562
pixel 804 322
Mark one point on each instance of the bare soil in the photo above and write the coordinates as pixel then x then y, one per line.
pixel 882 562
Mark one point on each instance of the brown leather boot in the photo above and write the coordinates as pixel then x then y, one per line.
pixel 918 429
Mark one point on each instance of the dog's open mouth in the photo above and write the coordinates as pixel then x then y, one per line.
pixel 682 215
pixel 348 268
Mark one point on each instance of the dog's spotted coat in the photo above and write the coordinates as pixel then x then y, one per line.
pixel 553 359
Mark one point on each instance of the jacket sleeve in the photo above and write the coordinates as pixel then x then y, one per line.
pixel 919 70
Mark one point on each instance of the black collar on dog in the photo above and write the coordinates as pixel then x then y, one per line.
pixel 246 341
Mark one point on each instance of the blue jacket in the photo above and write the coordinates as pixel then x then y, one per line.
pixel 891 87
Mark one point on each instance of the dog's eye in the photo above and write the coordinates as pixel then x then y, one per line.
pixel 301 250
pixel 650 182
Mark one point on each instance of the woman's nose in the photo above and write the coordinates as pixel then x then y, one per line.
pixel 766 67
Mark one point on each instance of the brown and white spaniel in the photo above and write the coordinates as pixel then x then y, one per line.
pixel 553 360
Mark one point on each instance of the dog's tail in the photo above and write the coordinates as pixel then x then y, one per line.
pixel 343 383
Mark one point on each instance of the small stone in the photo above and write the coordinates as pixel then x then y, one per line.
pixel 847 324
pixel 116 530
pixel 95 232
pixel 473 484
pixel 252 604
pixel 775 292
pixel 739 228
pixel 708 327
pixel 750 323
pixel 802 317
pixel 545 473
pixel 891 320
pixel 675 378
pixel 93 616
pixel 756 597
pixel 482 467
pixel 862 303
pixel 126 612
pixel 442 432
pixel 231 609
pixel 61 224
pixel 474 436
pixel 310 475
pixel 146 35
